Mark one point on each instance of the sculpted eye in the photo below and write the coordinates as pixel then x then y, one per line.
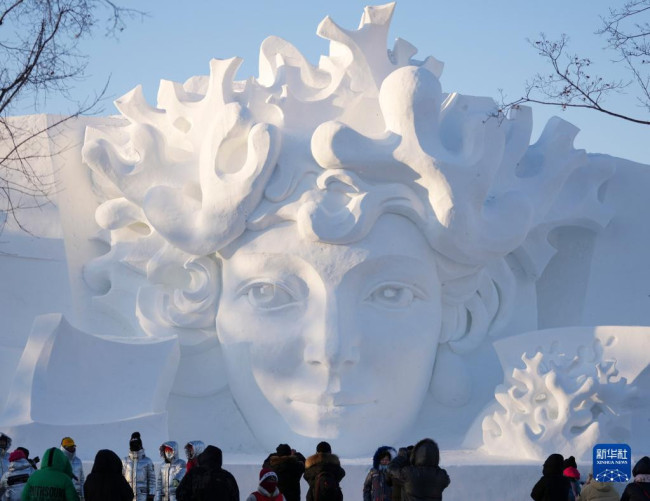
pixel 269 296
pixel 393 295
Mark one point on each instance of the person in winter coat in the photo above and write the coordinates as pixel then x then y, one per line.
pixel 138 471
pixel 13 481
pixel 323 473
pixel 640 488
pixel 598 491
pixel 396 485
pixel 208 480
pixel 571 472
pixel 171 472
pixel 376 487
pixel 267 489
pixel 53 482
pixel 553 486
pixel 69 448
pixel 289 466
pixel 421 477
pixel 105 481
pixel 5 445
pixel 192 451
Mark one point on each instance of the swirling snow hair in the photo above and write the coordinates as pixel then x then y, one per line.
pixel 333 147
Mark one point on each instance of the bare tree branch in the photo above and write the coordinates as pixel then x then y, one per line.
pixel 571 82
pixel 40 55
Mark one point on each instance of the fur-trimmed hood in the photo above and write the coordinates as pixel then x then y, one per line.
pixel 322 457
pixel 425 453
pixel 276 461
pixel 381 451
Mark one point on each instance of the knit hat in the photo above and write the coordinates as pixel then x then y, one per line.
pixel 571 472
pixel 268 480
pixel 16 455
pixel 135 444
pixel 67 442
pixel 283 450
pixel 324 447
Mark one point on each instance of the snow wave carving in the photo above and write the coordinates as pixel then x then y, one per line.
pixel 559 402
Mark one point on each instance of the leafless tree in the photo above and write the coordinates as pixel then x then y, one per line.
pixel 572 83
pixel 40 55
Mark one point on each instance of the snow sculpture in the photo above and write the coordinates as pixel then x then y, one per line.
pixel 312 213
pixel 339 252
pixel 48 392
pixel 559 402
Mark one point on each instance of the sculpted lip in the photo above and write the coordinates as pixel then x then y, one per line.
pixel 330 401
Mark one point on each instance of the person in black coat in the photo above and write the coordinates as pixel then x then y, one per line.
pixel 553 486
pixel 640 488
pixel 420 475
pixel 289 466
pixel 106 482
pixel 322 462
pixel 208 481
pixel 404 453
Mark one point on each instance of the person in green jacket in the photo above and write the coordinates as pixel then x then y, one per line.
pixel 53 482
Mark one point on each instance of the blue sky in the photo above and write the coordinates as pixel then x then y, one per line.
pixel 483 45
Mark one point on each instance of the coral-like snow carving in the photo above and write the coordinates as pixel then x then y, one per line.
pixel 559 402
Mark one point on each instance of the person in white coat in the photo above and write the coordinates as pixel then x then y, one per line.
pixel 69 448
pixel 171 472
pixel 14 480
pixel 138 470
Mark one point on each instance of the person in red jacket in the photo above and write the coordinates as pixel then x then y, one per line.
pixel 268 488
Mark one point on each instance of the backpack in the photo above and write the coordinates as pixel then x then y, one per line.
pixel 326 487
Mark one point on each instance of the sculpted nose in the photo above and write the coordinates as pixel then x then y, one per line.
pixel 328 344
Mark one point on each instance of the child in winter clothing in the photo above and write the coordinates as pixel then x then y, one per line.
pixel 571 472
pixel 268 487
pixel 376 487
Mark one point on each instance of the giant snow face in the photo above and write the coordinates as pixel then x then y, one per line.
pixel 330 341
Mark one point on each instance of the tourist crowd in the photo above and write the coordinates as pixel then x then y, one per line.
pixel 410 474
